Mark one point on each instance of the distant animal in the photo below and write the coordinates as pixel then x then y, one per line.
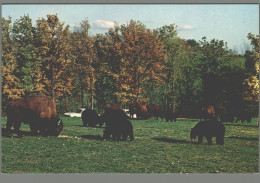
pixel 208 129
pixel 117 125
pixel 208 113
pixel 155 111
pixel 113 107
pixel 244 116
pixel 226 115
pixel 169 115
pixel 90 117
pixel 220 112
pixel 132 110
pixel 37 111
pixel 141 111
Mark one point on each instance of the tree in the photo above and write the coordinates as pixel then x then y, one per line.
pixel 137 56
pixel 25 54
pixel 251 83
pixel 53 53
pixel 85 58
pixel 177 60
pixel 104 85
pixel 11 87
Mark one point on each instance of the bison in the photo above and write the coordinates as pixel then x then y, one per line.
pixel 139 109
pixel 37 111
pixel 208 113
pixel 113 107
pixel 244 116
pixel 90 117
pixel 154 110
pixel 132 110
pixel 117 125
pixel 208 129
pixel 169 115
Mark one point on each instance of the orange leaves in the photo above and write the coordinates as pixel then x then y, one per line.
pixel 135 53
pixel 52 44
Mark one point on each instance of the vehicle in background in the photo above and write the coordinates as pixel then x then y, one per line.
pixel 128 113
pixel 75 114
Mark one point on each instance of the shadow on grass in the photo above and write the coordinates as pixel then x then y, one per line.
pixel 24 133
pixel 88 126
pixel 242 138
pixel 92 137
pixel 173 141
pixel 239 124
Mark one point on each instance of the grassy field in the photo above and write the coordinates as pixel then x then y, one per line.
pixel 158 147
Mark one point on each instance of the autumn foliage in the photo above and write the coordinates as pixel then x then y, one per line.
pixel 129 63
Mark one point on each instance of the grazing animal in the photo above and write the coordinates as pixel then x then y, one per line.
pixel 141 111
pixel 208 129
pixel 90 118
pixel 208 113
pixel 169 115
pixel 117 125
pixel 154 110
pixel 113 107
pixel 37 111
pixel 132 110
pixel 244 116
pixel 220 112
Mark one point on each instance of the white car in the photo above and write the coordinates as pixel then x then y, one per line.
pixel 75 114
pixel 128 113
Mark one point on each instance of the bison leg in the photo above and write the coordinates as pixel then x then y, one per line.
pixel 131 134
pixel 17 126
pixel 106 134
pixel 100 124
pixel 34 130
pixel 200 138
pixel 209 139
pixel 116 135
pixel 124 135
pixel 9 125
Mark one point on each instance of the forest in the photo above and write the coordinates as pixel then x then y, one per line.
pixel 129 63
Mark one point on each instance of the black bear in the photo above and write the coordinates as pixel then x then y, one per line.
pixel 90 118
pixel 208 129
pixel 117 125
pixel 170 116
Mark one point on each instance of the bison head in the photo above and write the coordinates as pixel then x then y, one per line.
pixel 193 134
pixel 56 127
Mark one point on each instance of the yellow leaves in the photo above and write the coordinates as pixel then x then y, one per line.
pixel 135 51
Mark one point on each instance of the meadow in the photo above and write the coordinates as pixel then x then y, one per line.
pixel 158 147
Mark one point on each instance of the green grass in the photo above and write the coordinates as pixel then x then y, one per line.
pixel 158 147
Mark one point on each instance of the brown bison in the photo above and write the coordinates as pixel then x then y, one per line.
pixel 37 111
pixel 113 107
pixel 208 113
pixel 217 112
pixel 139 109
pixel 155 111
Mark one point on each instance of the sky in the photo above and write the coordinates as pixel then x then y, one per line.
pixel 228 22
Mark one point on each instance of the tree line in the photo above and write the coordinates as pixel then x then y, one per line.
pixel 129 63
